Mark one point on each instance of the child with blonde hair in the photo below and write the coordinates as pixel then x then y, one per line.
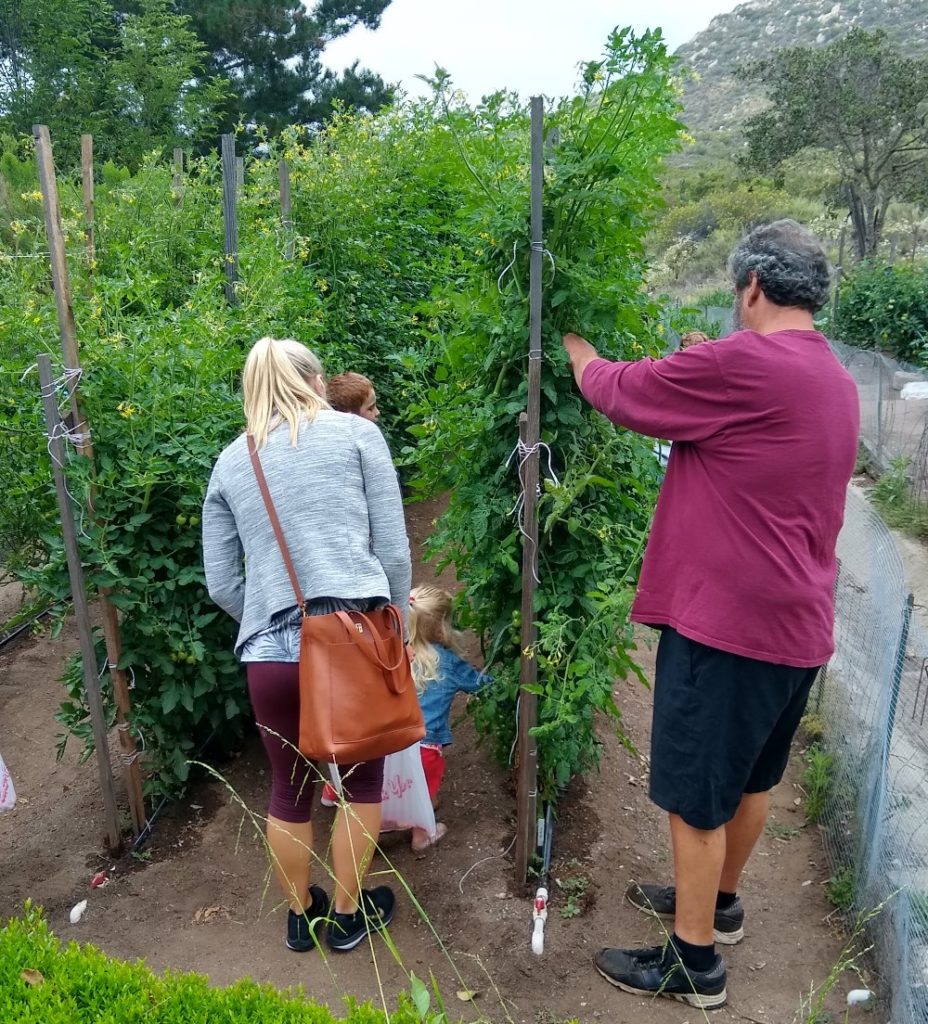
pixel 440 674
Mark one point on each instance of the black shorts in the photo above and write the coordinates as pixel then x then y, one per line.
pixel 722 727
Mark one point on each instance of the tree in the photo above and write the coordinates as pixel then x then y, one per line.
pixel 858 98
pixel 135 81
pixel 268 51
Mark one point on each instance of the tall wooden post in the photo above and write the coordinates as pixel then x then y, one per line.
pixel 286 212
pixel 839 274
pixel 529 433
pixel 87 188
pixel 230 217
pixel 178 176
pixel 112 833
pixel 81 433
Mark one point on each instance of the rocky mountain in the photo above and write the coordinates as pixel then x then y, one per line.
pixel 714 99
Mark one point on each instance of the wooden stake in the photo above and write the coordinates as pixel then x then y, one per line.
pixel 230 217
pixel 80 428
pixel 286 214
pixel 178 177
pixel 112 832
pixel 529 431
pixel 839 274
pixel 87 184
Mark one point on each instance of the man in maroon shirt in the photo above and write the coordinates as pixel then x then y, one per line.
pixel 739 577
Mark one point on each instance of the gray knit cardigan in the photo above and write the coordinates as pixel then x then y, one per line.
pixel 338 499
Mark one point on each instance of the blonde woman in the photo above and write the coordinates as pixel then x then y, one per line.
pixel 335 490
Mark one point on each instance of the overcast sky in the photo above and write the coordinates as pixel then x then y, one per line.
pixel 533 46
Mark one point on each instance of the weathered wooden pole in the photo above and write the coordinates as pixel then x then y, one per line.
pixel 839 274
pixel 80 433
pixel 112 832
pixel 529 433
pixel 87 189
pixel 230 217
pixel 178 176
pixel 286 210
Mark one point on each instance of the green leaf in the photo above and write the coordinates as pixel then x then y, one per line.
pixel 421 998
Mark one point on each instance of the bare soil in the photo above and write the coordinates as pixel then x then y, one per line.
pixel 200 900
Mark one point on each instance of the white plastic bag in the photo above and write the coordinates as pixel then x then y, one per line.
pixel 406 800
pixel 7 793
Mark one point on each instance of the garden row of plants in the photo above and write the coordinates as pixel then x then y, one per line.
pixel 410 264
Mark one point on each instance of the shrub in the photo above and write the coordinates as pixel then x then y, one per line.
pixel 886 308
pixel 42 980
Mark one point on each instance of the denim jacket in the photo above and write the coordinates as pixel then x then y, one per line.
pixel 454 676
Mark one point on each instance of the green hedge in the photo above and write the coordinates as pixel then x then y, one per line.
pixel 886 308
pixel 43 981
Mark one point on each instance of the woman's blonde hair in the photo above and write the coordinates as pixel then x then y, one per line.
pixel 277 385
pixel 430 624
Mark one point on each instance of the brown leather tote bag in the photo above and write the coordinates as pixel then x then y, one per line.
pixel 357 696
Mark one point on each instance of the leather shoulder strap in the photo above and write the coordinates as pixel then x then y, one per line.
pixel 275 522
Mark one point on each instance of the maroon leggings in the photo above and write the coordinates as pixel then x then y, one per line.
pixel 274 689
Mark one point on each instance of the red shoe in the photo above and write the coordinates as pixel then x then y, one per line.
pixel 329 795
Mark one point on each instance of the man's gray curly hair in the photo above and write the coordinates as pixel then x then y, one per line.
pixel 791 266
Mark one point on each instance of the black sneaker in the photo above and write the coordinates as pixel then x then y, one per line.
pixel 661 901
pixel 374 914
pixel 658 971
pixel 303 930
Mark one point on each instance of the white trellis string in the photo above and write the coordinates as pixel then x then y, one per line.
pixel 524 452
pixel 535 247
pixel 507 268
pixel 540 247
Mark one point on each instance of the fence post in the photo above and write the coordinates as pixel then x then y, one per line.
pixel 286 213
pixel 230 217
pixel 529 430
pixel 87 188
pixel 879 412
pixel 178 176
pixel 82 439
pixel 839 274
pixel 112 833
pixel 873 831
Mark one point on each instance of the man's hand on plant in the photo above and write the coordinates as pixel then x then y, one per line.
pixel 580 353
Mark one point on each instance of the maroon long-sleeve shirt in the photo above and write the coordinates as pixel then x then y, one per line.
pixel 741 554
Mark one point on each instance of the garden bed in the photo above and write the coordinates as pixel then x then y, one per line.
pixel 196 902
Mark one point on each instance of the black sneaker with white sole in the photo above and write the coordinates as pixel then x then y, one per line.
pixel 661 901
pixel 304 931
pixel 374 914
pixel 658 971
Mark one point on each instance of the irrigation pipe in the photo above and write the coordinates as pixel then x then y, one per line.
pixel 11 634
pixel 146 832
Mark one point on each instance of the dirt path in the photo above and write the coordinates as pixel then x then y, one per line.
pixel 206 858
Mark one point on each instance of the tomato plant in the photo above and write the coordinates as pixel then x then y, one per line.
pixel 409 263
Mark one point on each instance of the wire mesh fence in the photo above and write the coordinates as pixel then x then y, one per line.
pixel 893 412
pixel 871 701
